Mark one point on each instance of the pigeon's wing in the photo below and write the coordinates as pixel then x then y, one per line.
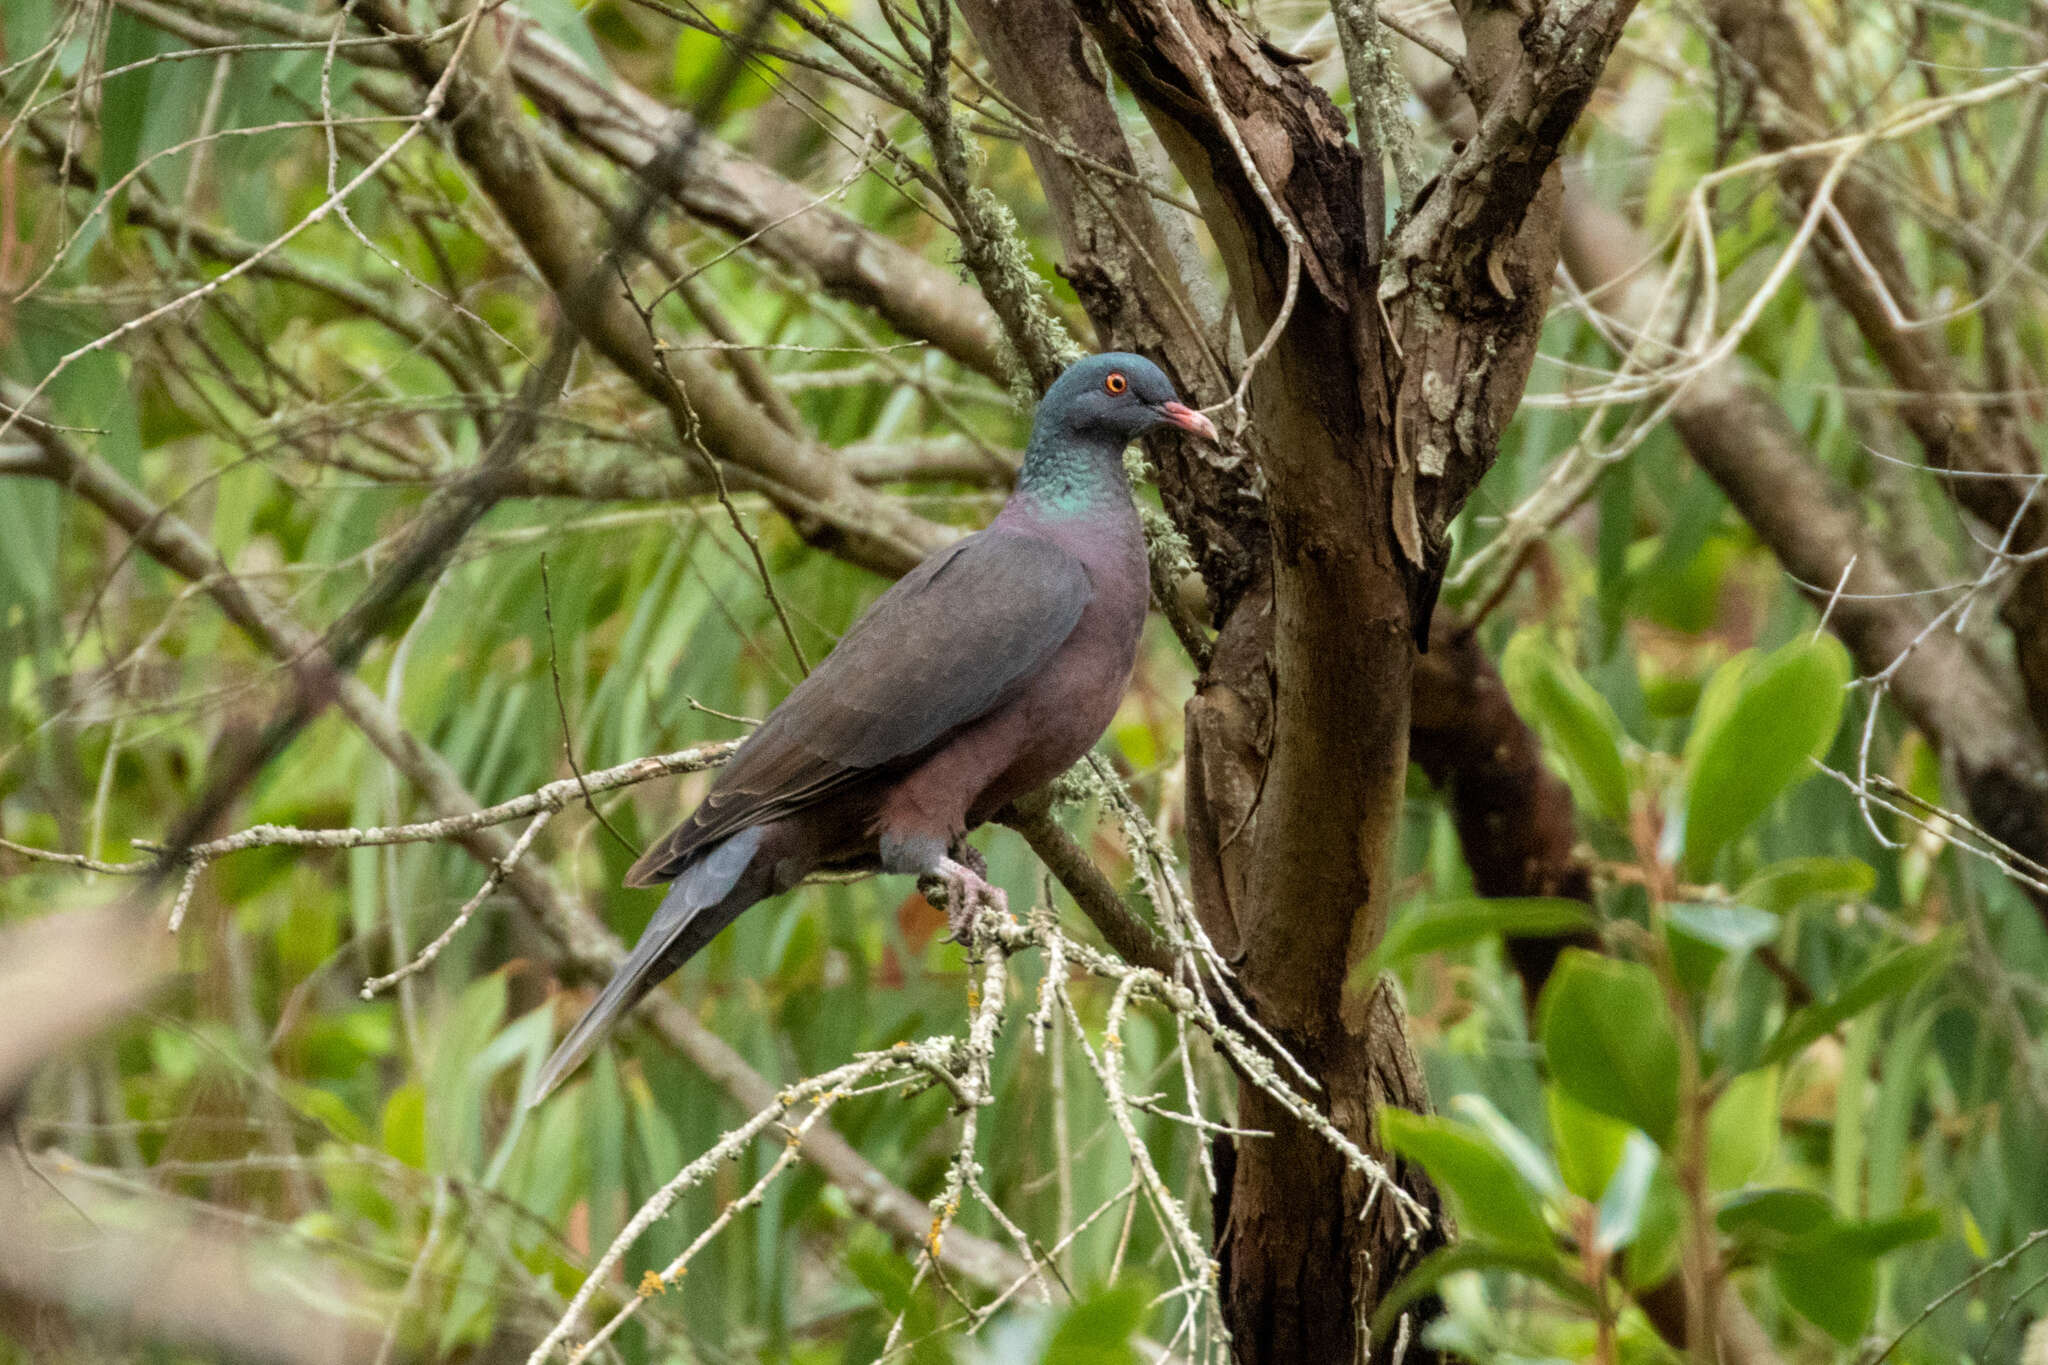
pixel 941 648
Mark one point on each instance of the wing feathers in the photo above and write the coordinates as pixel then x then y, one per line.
pixel 940 649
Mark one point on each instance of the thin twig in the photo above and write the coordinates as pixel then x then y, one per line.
pixel 547 611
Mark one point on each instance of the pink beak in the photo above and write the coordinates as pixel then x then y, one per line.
pixel 1187 419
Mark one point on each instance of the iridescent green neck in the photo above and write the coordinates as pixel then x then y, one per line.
pixel 1065 477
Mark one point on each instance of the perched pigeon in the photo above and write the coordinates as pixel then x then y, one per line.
pixel 982 675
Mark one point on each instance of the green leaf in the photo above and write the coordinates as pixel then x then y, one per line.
pixel 1609 1040
pixel 1702 937
pixel 402 1132
pixel 1742 1129
pixel 1588 1145
pixel 1798 1232
pixel 125 102
pixel 1098 1330
pixel 1475 1253
pixel 463 1028
pixel 1893 974
pixel 1576 723
pixel 1653 1256
pixel 1784 886
pixel 1748 750
pixel 1621 1206
pixel 1434 928
pixel 1512 1143
pixel 1490 1196
pixel 1717 699
pixel 1836 1293
pixel 1830 1276
pixel 563 21
pixel 1882 1236
pixel 604 1139
pixel 1733 929
pixel 1772 1219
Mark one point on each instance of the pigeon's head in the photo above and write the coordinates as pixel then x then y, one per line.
pixel 1118 397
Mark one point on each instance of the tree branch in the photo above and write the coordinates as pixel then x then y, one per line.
pixel 1999 473
pixel 732 192
pixel 589 950
pixel 1747 445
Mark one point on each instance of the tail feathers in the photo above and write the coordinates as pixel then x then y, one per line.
pixel 703 899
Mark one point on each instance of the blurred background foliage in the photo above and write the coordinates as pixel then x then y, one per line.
pixel 1852 1008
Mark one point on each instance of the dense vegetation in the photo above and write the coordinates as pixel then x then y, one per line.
pixel 1731 1005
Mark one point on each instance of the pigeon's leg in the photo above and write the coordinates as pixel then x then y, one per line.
pixel 967 894
pixel 967 889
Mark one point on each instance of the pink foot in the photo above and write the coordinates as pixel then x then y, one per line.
pixel 967 894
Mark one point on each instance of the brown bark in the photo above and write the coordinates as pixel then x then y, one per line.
pixel 1320 587
pixel 1318 660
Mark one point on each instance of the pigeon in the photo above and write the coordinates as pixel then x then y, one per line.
pixel 980 676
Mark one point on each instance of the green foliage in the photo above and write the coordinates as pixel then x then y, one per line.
pixel 1444 925
pixel 1810 1045
pixel 1896 972
pixel 1576 722
pixel 1609 1040
pixel 1759 725
pixel 1491 1198
pixel 1098 1329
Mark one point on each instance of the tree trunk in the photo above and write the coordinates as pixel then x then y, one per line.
pixel 1319 540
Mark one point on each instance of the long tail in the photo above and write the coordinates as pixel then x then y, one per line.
pixel 707 896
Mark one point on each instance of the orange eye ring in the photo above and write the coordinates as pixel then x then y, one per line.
pixel 1116 383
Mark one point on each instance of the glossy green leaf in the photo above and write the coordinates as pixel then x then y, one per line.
pixel 1627 1195
pixel 1653 1256
pixel 1512 1143
pixel 1609 1041
pixel 1702 937
pixel 1623 1202
pixel 1443 925
pixel 1749 748
pixel 1742 1129
pixel 1490 1197
pixel 1784 886
pixel 1098 1329
pixel 1893 974
pixel 1588 1144
pixel 1577 724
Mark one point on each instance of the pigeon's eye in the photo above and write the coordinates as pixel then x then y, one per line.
pixel 1116 383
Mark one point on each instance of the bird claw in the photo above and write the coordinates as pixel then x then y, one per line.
pixel 967 894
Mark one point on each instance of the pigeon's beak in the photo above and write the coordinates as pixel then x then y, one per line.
pixel 1187 419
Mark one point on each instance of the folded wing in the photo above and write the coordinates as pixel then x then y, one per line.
pixel 942 648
